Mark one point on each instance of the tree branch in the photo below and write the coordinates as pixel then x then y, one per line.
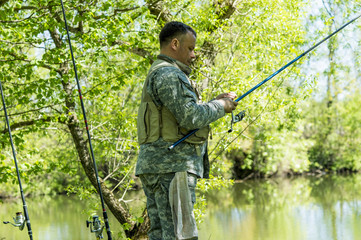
pixel 156 7
pixel 59 19
pixel 18 125
pixel 21 43
pixel 3 2
pixel 24 19
pixel 25 8
pixel 31 110
pixel 209 51
pixel 135 50
pixel 116 11
pixel 19 58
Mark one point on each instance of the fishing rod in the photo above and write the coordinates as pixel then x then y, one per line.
pixel 240 115
pixel 106 221
pixel 19 220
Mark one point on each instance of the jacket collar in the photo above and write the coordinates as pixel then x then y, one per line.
pixel 187 70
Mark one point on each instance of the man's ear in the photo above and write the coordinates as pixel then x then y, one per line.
pixel 175 44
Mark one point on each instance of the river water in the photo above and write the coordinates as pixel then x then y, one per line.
pixel 302 208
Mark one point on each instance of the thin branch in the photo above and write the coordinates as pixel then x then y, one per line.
pixel 129 95
pixel 59 19
pixel 116 11
pixel 31 110
pixel 25 8
pixel 24 19
pixel 19 125
pixel 3 2
pixel 21 43
pixel 121 181
pixel 254 120
pixel 157 8
pixel 96 85
pixel 19 58
pixel 135 50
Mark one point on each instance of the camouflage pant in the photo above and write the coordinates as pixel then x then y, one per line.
pixel 156 188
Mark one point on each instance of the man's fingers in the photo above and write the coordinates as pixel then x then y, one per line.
pixel 234 105
pixel 232 95
pixel 228 104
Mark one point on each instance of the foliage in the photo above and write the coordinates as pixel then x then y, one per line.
pixel 307 134
pixel 336 146
pixel 251 55
pixel 205 186
pixel 332 119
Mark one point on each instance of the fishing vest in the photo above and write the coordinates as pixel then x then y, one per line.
pixel 155 121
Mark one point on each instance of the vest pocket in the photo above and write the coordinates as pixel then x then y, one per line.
pixel 147 122
pixel 172 132
pixel 198 137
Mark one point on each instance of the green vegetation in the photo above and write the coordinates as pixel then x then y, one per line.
pixel 288 129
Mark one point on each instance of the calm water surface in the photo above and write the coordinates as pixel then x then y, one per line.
pixel 52 218
pixel 326 208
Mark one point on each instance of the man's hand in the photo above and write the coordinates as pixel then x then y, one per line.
pixel 227 101
pixel 230 95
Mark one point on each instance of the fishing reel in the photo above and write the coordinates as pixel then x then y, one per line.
pixel 237 118
pixel 95 227
pixel 19 221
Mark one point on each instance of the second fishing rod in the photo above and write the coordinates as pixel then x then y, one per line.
pixel 19 220
pixel 241 114
pixel 96 222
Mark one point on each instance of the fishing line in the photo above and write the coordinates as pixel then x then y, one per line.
pixel 19 219
pixel 96 221
pixel 254 120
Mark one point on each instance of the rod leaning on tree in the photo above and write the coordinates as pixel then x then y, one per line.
pixel 169 108
pixel 98 230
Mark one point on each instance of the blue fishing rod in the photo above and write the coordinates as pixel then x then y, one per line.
pixel 19 220
pixel 95 224
pixel 240 116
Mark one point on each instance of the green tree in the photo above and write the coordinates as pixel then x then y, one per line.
pixel 113 43
pixel 328 124
pixel 256 45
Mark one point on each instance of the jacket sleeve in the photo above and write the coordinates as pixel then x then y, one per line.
pixel 171 87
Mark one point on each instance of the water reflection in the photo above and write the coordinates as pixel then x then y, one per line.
pixel 304 208
pixel 300 208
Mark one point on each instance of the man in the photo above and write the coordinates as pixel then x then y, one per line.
pixel 169 109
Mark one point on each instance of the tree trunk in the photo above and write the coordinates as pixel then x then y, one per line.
pixel 330 73
pixel 135 230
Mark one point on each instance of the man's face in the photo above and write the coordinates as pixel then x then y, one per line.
pixel 185 51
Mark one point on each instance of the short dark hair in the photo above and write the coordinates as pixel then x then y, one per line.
pixel 173 29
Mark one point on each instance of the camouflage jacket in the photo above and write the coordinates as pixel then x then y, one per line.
pixel 171 88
